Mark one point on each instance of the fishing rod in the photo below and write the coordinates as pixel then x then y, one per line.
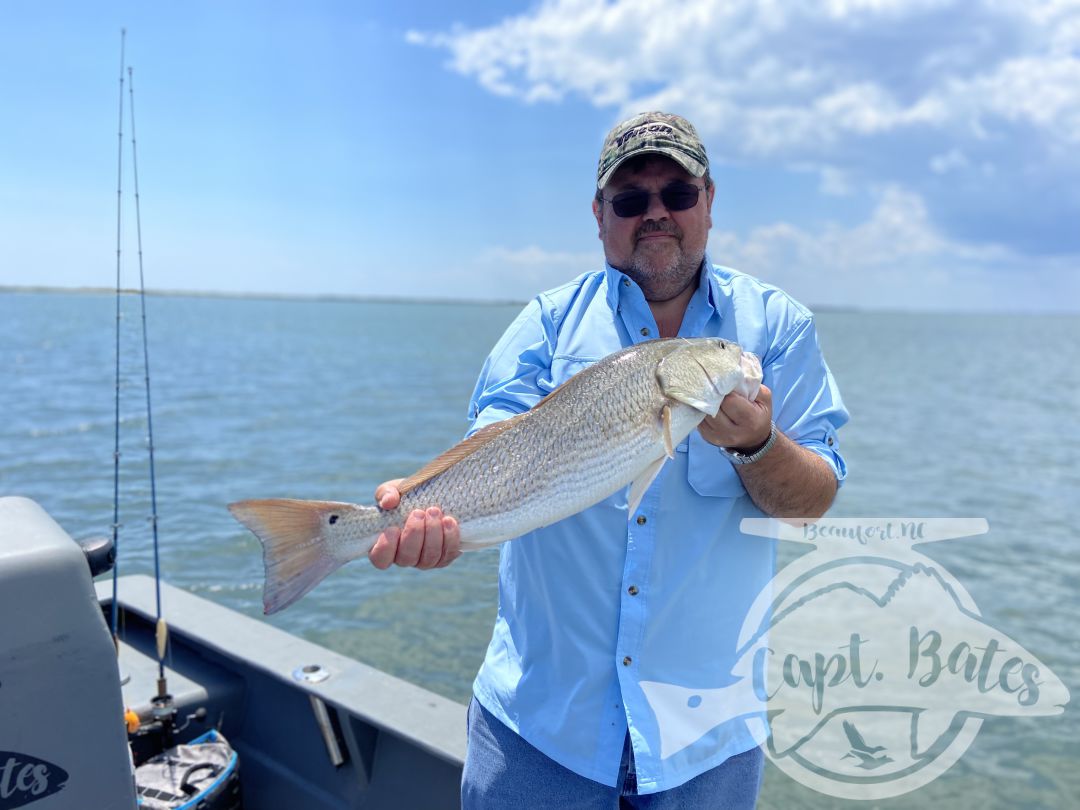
pixel 115 614
pixel 161 630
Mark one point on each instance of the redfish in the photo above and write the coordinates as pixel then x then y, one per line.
pixel 609 426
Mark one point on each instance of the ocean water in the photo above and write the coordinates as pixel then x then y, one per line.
pixel 952 416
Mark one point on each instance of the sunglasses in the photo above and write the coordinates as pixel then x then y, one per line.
pixel 675 197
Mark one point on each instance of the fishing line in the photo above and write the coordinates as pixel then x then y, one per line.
pixel 162 632
pixel 115 620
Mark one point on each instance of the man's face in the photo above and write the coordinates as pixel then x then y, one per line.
pixel 659 249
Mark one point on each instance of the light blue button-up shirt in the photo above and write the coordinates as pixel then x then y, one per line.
pixel 594 605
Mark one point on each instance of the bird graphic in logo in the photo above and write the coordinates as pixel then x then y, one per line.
pixel 863 752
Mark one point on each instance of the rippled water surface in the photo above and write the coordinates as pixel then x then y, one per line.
pixel 951 416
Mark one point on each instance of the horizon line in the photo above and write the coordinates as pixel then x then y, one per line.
pixel 405 299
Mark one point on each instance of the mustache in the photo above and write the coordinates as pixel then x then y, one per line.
pixel 659 226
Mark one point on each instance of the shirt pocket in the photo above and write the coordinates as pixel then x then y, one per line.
pixel 708 472
pixel 563 367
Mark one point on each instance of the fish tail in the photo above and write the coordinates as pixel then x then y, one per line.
pixel 299 551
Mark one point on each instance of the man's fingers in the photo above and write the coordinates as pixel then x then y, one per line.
pixel 742 411
pixel 432 551
pixel 412 540
pixel 429 539
pixel 387 495
pixel 451 542
pixel 738 408
pixel 385 549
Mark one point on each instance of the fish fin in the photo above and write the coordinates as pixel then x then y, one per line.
pixel 687 382
pixel 296 554
pixel 788 730
pixel 684 715
pixel 665 418
pixel 642 483
pixel 927 727
pixel 467 447
pixel 551 394
pixel 461 450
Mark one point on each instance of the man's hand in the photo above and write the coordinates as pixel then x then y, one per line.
pixel 789 481
pixel 429 539
pixel 740 424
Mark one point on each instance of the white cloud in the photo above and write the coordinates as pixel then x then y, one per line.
pixel 895 258
pixel 898 259
pixel 531 257
pixel 789 77
pixel 948 161
pixel 897 231
pixel 519 273
pixel 908 93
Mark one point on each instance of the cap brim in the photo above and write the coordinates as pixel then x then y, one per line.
pixel 694 167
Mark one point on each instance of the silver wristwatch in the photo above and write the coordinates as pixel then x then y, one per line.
pixel 735 457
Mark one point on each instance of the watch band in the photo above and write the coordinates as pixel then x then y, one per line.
pixel 735 457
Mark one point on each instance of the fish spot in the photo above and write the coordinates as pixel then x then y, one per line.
pixel 333 519
pixel 694 701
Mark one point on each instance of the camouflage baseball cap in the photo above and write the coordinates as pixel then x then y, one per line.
pixel 661 133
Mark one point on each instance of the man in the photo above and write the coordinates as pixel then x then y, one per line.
pixel 597 604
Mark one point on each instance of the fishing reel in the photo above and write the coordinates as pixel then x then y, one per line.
pixel 158 731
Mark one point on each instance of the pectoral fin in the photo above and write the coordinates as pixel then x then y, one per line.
pixel 642 483
pixel 665 418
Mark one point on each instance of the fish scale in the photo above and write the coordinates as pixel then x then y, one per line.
pixel 610 425
pixel 570 465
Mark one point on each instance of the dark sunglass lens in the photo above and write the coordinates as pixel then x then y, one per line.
pixel 680 196
pixel 630 203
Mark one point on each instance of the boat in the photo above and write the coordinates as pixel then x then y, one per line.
pixel 88 707
pixel 312 729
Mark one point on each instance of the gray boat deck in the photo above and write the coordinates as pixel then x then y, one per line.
pixel 397 744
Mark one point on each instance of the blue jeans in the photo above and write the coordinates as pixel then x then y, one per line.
pixel 504 771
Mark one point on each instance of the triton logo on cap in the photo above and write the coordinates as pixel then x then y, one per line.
pixel 652 133
pixel 642 130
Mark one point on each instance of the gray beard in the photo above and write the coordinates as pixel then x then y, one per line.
pixel 662 280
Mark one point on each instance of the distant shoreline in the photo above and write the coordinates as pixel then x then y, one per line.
pixel 258 296
pixel 497 302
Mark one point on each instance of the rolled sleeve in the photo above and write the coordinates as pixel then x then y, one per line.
pixel 516 375
pixel 806 401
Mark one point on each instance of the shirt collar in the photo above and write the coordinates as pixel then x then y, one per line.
pixel 701 307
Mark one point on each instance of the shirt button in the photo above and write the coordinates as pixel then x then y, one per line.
pixel 626 282
pixel 645 331
pixel 640 520
pixel 830 441
pixel 632 590
pixel 627 661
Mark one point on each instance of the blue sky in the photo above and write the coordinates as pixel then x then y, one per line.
pixel 922 154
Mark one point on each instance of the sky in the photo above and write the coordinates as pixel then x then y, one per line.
pixel 878 154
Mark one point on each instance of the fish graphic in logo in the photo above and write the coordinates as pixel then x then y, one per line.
pixel 871 662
